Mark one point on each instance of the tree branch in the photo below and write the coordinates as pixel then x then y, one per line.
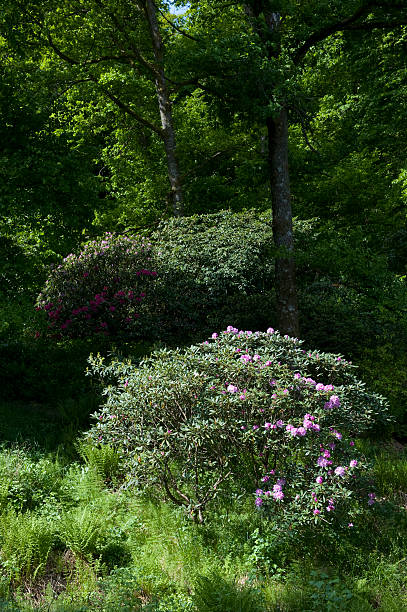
pixel 122 105
pixel 372 25
pixel 127 109
pixel 173 25
pixel 349 23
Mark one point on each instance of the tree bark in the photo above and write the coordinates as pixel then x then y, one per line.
pixel 286 288
pixel 164 103
pixel 277 131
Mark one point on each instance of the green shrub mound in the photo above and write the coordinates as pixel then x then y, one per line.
pixel 241 412
pixel 213 269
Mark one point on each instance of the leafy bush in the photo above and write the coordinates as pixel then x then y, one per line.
pixel 27 481
pixel 100 290
pixel 349 299
pixel 234 413
pixel 210 267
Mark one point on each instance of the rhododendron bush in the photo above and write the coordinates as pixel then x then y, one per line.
pixel 242 412
pixel 101 290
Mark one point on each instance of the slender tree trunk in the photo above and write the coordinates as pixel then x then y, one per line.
pixel 286 288
pixel 277 130
pixel 164 104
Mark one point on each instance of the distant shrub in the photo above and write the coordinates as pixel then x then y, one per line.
pixel 241 412
pixel 213 269
pixel 101 290
pixel 349 299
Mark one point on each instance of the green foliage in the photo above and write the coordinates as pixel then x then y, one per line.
pixel 100 290
pixel 385 369
pixel 25 544
pixel 104 460
pixel 349 300
pixel 221 416
pixel 329 594
pixel 82 529
pixel 207 263
pixel 215 594
pixel 390 474
pixel 27 481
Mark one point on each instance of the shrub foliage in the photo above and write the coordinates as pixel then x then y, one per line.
pixel 101 290
pixel 239 413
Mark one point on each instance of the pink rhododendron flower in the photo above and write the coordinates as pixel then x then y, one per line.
pixel 232 389
pixel 278 495
pixel 323 462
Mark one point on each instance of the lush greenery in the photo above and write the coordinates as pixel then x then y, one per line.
pixel 181 467
pixel 223 417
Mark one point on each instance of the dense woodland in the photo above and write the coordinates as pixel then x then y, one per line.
pixel 203 331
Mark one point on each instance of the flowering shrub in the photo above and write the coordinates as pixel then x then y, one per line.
pixel 251 411
pixel 101 290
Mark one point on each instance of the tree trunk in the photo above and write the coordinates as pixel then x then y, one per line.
pixel 286 289
pixel 164 103
pixel 277 130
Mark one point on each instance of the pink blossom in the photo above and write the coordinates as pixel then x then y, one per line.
pixel 246 358
pixel 323 462
pixel 334 401
pixel 232 389
pixel 319 480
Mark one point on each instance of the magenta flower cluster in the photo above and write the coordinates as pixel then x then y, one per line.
pixel 100 290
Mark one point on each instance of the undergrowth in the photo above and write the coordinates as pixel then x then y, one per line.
pixel 73 538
